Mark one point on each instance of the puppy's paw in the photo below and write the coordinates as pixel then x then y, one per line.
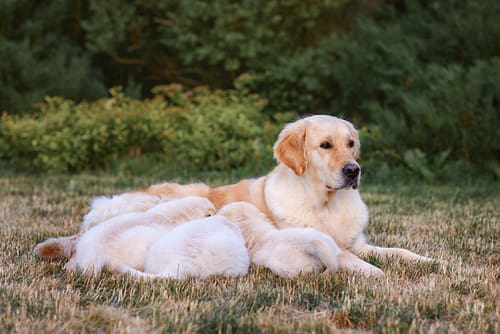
pixel 70 265
pixel 373 271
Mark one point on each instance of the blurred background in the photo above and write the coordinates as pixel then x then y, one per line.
pixel 167 87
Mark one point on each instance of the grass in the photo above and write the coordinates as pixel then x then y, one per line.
pixel 457 223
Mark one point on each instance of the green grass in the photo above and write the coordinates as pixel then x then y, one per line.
pixel 457 223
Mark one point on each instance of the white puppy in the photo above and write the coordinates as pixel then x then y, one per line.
pixel 198 248
pixel 125 239
pixel 103 208
pixel 287 252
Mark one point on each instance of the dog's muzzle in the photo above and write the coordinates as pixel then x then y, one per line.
pixel 351 172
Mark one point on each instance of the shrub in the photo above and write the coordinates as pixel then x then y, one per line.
pixel 195 129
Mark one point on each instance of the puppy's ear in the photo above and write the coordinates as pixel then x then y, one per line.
pixel 290 147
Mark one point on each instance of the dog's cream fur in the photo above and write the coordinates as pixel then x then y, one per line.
pixel 308 188
pixel 199 248
pixel 287 252
pixel 125 239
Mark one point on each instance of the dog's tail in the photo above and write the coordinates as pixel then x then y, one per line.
pixel 57 248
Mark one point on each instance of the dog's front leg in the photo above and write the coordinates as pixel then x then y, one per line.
pixel 350 262
pixel 367 250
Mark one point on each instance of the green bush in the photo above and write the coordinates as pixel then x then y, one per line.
pixel 193 129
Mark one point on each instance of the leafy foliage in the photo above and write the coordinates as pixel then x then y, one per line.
pixel 197 129
pixel 420 78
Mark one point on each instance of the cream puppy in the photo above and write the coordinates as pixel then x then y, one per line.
pixel 287 252
pixel 125 239
pixel 198 248
pixel 102 208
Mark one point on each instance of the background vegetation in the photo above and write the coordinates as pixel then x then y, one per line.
pixel 421 79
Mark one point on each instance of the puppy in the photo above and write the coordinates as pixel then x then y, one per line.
pixel 198 248
pixel 125 239
pixel 287 252
pixel 102 208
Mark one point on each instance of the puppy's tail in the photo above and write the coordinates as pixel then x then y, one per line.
pixel 326 251
pixel 125 269
pixel 57 248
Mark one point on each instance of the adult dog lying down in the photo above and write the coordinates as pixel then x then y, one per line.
pixel 314 185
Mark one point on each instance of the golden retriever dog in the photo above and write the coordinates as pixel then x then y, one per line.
pixel 198 248
pixel 314 185
pixel 126 238
pixel 287 252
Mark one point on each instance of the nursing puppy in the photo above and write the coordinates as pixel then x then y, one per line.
pixel 125 239
pixel 102 208
pixel 316 184
pixel 198 248
pixel 287 252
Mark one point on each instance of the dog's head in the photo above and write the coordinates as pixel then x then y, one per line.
pixel 325 147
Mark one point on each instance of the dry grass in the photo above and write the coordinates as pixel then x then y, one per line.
pixel 458 224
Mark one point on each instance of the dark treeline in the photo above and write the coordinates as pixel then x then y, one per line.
pixel 420 78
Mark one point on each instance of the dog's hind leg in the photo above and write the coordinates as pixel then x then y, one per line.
pixel 387 252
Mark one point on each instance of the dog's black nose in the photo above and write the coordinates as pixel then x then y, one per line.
pixel 351 170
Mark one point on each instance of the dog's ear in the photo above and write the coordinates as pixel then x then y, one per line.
pixel 290 147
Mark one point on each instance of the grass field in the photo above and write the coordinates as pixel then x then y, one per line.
pixel 460 224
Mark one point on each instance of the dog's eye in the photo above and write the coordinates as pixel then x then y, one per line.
pixel 325 145
pixel 351 143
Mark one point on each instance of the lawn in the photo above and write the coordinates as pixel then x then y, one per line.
pixel 457 223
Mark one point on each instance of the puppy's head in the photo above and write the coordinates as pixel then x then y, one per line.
pixel 184 209
pixel 323 146
pixel 240 211
pixel 199 206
